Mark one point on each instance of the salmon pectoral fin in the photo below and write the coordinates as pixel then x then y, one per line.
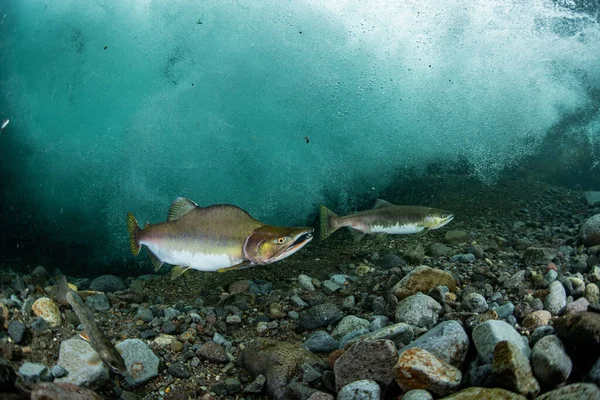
pixel 177 271
pixel 381 237
pixel 242 265
pixel 155 261
pixel 357 235
pixel 84 335
pixel 423 232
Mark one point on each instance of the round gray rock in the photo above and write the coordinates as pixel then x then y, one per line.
pixel 590 231
pixel 107 283
pixel 365 389
pixel 551 364
pixel 418 310
pixel 488 334
pixel 556 299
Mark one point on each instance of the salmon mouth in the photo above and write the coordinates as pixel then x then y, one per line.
pixel 301 240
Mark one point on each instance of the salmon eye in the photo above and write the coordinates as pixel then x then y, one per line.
pixel 280 240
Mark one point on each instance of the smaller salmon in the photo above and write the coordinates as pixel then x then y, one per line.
pixel 99 342
pixel 385 218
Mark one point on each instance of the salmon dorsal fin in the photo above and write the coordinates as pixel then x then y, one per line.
pixel 180 207
pixel 380 203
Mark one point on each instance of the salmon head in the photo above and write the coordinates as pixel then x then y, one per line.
pixel 437 218
pixel 269 244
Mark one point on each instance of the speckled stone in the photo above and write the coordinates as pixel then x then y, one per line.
pixel 511 370
pixel 419 369
pixel 48 310
pixel 489 333
pixel 379 355
pixel 550 362
pixel 422 279
pixel 479 393
pixel 575 391
pixel 536 319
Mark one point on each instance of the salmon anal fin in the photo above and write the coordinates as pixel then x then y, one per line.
pixel 155 261
pixel 177 271
pixel 242 265
pixel 357 235
pixel 84 335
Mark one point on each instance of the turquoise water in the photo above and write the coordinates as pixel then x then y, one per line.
pixel 272 106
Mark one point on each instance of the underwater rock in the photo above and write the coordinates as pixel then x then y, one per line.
pixel 536 319
pixel 515 281
pixel 419 310
pixel 551 364
pixel 447 341
pixel 48 310
pixel 142 363
pixel 539 255
pixel 479 393
pixel 587 391
pixel 475 303
pixel 279 362
pixel 305 282
pixel 556 298
pixel 439 250
pixel 16 331
pixel 399 333
pixel 489 333
pixel 179 370
pixel 417 394
pixel 107 284
pixel 390 261
pixel 422 279
pixel 213 352
pixel 348 324
pixel 83 364
pixel 319 316
pixel 98 302
pixel 32 373
pixel 590 231
pixel 373 360
pixel 364 389
pixel 511 370
pixel 320 342
pixel 415 255
pixel 419 369
pixel 62 391
pixel 456 237
pixel 592 198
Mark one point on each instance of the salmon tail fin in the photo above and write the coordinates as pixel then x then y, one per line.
pixel 63 289
pixel 134 229
pixel 328 219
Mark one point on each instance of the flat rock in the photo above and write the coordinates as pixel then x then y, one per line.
pixel 213 352
pixel 489 333
pixel 348 324
pixel 85 369
pixel 320 316
pixel 140 360
pixel 479 393
pixel 389 261
pixel 62 391
pixel 16 331
pixel 419 369
pixel 422 279
pixel 439 250
pixel 511 370
pixel 399 333
pixel 592 198
pixel 379 355
pixel 419 310
pixel 579 391
pixel 107 283
pixel 98 302
pixel 320 342
pixel 550 362
pixel 539 255
pixel 364 389
pixel 279 362
pixel 536 319
pixel 447 341
pixel 32 373
pixel 456 237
